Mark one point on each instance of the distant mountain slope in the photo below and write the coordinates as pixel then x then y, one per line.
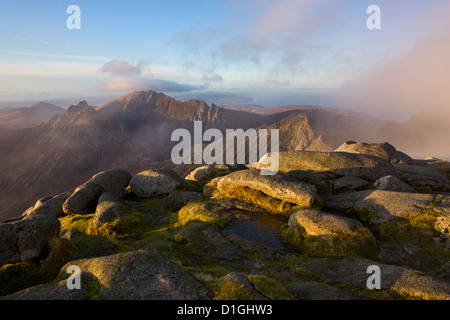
pixel 20 118
pixel 133 132
pixel 271 110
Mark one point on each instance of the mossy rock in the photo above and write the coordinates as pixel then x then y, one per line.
pixel 122 227
pixel 346 243
pixel 203 211
pixel 258 198
pixel 90 246
pixel 235 286
pixel 15 277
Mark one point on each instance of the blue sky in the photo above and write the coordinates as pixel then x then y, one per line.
pixel 240 47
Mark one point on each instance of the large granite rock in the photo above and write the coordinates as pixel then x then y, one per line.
pixel 155 182
pixel 109 208
pixel 276 186
pixel 383 150
pixel 340 163
pixel 349 183
pixel 85 198
pixel 209 172
pixel 51 206
pixel 392 183
pixel 353 271
pixel 381 204
pixel 317 223
pixel 138 275
pixel 25 239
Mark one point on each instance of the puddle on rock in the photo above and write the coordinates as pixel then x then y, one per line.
pixel 261 228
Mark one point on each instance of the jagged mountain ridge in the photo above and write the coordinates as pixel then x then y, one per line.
pixel 133 132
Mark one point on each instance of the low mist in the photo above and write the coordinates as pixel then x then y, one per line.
pixel 413 89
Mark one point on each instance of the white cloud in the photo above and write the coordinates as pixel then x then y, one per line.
pixel 122 68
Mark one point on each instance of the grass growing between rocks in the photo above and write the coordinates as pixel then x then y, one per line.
pixel 89 242
pixel 81 223
pixel 418 230
pixel 123 227
pixel 270 288
pixel 93 290
pixel 200 212
pixel 226 289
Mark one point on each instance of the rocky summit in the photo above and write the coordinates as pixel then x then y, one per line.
pixel 313 231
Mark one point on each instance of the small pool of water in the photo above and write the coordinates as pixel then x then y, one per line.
pixel 261 228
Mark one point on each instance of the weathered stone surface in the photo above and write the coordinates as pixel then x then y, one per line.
pixel 85 198
pixel 155 182
pixel 109 208
pixel 136 275
pixel 51 206
pixel 275 186
pixel 140 275
pixel 443 220
pixel 319 291
pixel 383 150
pixel 426 184
pixel 317 223
pixel 177 200
pixel 321 180
pixel 242 281
pixel 210 189
pixel 69 234
pixel 353 271
pixel 208 172
pixel 349 183
pixel 383 205
pixel 413 256
pixel 25 239
pixel 392 183
pixel 345 164
pixel 443 166
pixel 421 170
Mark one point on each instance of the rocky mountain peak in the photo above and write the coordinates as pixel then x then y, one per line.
pixel 76 114
pixel 81 107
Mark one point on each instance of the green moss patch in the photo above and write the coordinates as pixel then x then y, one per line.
pixel 203 211
pixel 270 288
pixel 82 223
pixel 121 228
pixel 93 290
pixel 230 290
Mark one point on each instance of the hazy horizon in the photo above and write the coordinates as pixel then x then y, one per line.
pixel 271 52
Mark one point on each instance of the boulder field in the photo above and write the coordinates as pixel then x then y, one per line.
pixel 308 232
